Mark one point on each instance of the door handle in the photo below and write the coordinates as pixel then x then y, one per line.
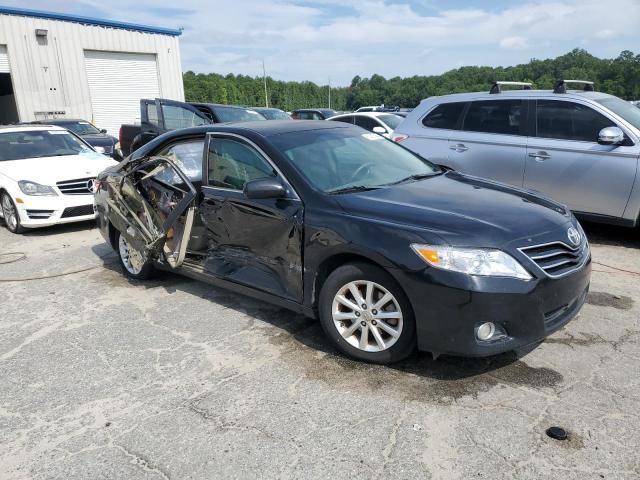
pixel 459 147
pixel 540 156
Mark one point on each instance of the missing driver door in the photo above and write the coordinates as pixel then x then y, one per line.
pixel 157 200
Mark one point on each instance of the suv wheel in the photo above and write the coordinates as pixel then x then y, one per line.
pixel 366 314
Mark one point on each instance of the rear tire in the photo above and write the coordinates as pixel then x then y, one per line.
pixel 10 214
pixel 366 314
pixel 133 263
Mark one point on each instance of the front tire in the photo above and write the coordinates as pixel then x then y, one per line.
pixel 10 214
pixel 133 263
pixel 366 314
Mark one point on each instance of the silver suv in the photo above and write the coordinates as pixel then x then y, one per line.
pixel 579 147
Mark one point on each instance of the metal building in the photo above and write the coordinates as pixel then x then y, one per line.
pixel 64 66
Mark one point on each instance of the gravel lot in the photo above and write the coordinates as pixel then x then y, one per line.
pixel 103 378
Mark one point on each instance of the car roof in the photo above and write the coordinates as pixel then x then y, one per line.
pixel 56 121
pixel 362 114
pixel 29 128
pixel 464 97
pixel 266 109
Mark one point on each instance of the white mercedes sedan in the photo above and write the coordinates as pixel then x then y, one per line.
pixel 46 176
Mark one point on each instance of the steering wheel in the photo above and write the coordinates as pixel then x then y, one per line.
pixel 360 170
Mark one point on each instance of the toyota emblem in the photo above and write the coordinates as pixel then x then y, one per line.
pixel 574 236
pixel 91 185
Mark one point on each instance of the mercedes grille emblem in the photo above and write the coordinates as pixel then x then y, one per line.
pixel 574 236
pixel 91 185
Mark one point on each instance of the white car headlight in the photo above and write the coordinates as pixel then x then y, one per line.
pixel 33 188
pixel 99 149
pixel 472 261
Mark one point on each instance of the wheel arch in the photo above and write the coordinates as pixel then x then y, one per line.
pixel 332 262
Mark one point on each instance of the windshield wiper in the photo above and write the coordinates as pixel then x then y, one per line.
pixel 415 177
pixel 354 188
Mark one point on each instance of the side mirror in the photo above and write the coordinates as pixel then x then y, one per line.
pixel 380 130
pixel 611 136
pixel 104 130
pixel 264 188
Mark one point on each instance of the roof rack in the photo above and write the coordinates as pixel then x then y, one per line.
pixel 561 85
pixel 497 86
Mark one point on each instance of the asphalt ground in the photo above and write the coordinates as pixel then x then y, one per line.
pixel 105 378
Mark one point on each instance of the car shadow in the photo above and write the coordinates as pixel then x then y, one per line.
pixel 601 234
pixel 57 229
pixel 291 327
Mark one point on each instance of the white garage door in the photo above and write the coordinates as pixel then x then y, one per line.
pixel 118 81
pixel 4 60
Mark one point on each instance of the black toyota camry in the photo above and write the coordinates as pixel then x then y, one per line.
pixel 387 250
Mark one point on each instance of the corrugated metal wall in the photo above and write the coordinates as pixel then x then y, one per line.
pixel 49 74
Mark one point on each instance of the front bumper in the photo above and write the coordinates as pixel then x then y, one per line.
pixel 449 307
pixel 43 211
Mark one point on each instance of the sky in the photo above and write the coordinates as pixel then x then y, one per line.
pixel 318 40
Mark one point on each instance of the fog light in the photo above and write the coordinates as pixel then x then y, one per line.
pixel 486 331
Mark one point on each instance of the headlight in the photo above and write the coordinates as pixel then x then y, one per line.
pixel 472 261
pixel 33 188
pixel 99 149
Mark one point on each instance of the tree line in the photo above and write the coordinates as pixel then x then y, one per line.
pixel 619 76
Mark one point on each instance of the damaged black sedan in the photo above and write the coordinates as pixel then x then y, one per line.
pixel 387 250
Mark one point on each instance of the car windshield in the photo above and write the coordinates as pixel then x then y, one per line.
pixel 274 114
pixel 341 158
pixel 40 143
pixel 391 120
pixel 623 109
pixel 81 128
pixel 232 114
pixel 328 113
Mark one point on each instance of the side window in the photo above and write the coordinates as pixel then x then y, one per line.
pixel 367 123
pixel 494 116
pixel 444 116
pixel 305 116
pixel 178 117
pixel 187 155
pixel 344 120
pixel 152 114
pixel 569 121
pixel 316 116
pixel 232 164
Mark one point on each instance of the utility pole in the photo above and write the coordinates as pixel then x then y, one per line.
pixel 264 77
pixel 329 92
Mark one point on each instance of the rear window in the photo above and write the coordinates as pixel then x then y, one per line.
pixel 494 116
pixel 444 116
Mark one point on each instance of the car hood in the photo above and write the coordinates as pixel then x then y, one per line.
pixel 100 140
pixel 463 210
pixel 49 170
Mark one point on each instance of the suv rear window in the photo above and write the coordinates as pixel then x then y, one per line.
pixel 494 116
pixel 445 115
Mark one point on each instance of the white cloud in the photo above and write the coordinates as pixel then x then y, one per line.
pixel 514 43
pixel 302 40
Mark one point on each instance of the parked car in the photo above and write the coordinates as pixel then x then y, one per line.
pixel 160 115
pixel 46 176
pixel 272 113
pixel 388 250
pixel 578 147
pixel 376 122
pixel 380 108
pixel 313 113
pixel 98 139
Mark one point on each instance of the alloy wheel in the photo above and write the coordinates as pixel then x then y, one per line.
pixel 367 316
pixel 132 260
pixel 9 212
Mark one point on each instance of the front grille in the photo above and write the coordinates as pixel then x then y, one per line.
pixel 557 259
pixel 77 211
pixel 80 186
pixel 39 214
